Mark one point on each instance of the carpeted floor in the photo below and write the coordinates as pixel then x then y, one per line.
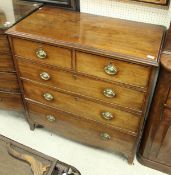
pixel 88 160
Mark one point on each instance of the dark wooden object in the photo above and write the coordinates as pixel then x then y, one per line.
pixel 158 2
pixel 67 4
pixel 19 159
pixel 10 96
pixel 155 149
pixel 86 77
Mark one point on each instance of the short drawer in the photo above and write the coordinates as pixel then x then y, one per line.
pixel 6 63
pixel 4 44
pixel 119 119
pixel 8 82
pixel 84 131
pixel 112 69
pixel 42 53
pixel 83 85
pixel 11 101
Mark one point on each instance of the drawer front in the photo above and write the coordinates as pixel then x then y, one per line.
pixel 81 130
pixel 43 53
pixel 82 85
pixel 11 101
pixel 113 70
pixel 8 82
pixel 81 107
pixel 4 44
pixel 6 63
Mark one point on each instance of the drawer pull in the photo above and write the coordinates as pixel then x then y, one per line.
pixel 50 118
pixel 107 115
pixel 44 76
pixel 48 96
pixel 109 93
pixel 110 69
pixel 41 53
pixel 105 136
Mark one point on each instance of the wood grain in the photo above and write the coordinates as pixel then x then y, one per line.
pixel 82 85
pixel 122 120
pixel 129 40
pixel 86 43
pixel 84 131
pixel 7 64
pixel 127 73
pixel 4 44
pixel 156 143
pixel 161 2
pixel 11 101
pixel 55 55
pixel 8 82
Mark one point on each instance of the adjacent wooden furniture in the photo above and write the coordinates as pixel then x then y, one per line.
pixel 69 4
pixel 10 96
pixel 19 159
pixel 155 150
pixel 86 77
pixel 159 2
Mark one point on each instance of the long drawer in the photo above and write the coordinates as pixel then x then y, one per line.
pixel 119 119
pixel 4 44
pixel 11 101
pixel 42 53
pixel 6 63
pixel 8 82
pixel 84 131
pixel 83 85
pixel 112 69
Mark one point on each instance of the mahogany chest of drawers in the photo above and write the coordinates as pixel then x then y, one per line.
pixel 85 77
pixel 19 159
pixel 10 95
pixel 155 149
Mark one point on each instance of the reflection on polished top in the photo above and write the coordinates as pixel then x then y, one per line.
pixel 12 11
pixel 125 39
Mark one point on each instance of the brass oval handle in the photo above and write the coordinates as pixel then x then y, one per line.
pixel 48 96
pixel 107 115
pixel 50 118
pixel 105 136
pixel 110 69
pixel 44 76
pixel 109 93
pixel 41 53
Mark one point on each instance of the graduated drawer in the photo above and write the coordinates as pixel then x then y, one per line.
pixel 8 82
pixel 112 69
pixel 11 101
pixel 81 107
pixel 84 131
pixel 6 63
pixel 46 54
pixel 82 85
pixel 4 44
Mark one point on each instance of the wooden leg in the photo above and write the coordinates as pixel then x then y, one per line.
pixel 32 126
pixel 130 159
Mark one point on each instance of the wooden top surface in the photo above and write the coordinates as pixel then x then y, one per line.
pixel 134 41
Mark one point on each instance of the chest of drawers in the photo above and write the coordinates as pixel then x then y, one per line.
pixel 10 95
pixel 85 77
pixel 155 149
pixel 9 88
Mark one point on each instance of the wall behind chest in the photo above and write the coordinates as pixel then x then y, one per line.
pixel 136 11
